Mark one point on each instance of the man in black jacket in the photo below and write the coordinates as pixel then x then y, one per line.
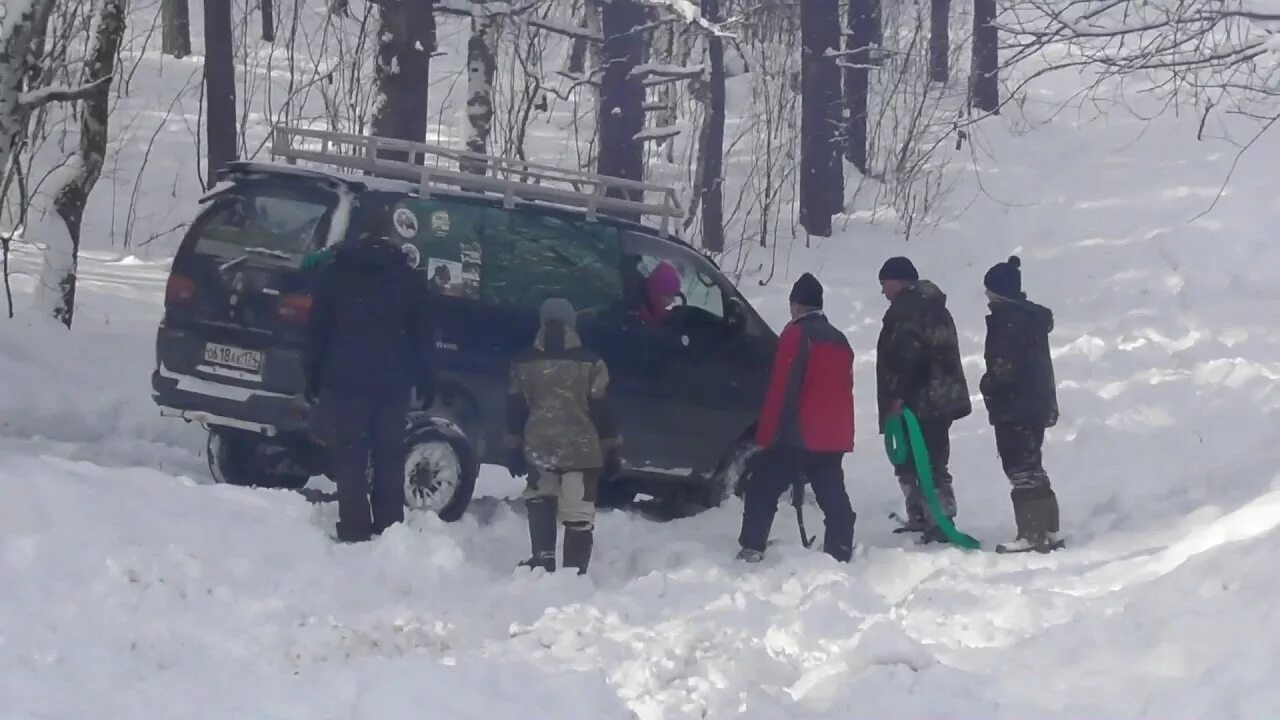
pixel 368 346
pixel 918 367
pixel 1021 399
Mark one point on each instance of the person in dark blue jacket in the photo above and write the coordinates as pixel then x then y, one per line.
pixel 368 346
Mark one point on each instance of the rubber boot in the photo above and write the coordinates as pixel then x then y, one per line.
pixel 542 533
pixel 1033 510
pixel 578 539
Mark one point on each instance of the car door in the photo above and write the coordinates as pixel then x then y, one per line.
pixel 706 363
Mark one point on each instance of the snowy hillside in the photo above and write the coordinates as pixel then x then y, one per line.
pixel 130 586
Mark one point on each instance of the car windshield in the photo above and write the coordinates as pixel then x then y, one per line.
pixel 274 224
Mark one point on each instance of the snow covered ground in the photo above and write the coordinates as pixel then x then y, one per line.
pixel 130 586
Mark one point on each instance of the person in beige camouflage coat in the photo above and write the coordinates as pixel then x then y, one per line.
pixel 562 433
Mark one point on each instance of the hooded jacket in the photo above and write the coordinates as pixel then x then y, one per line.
pixel 558 409
pixel 1019 385
pixel 369 328
pixel 918 357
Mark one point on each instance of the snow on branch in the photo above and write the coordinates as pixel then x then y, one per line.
pixel 655 134
pixel 690 13
pixel 674 72
pixel 59 93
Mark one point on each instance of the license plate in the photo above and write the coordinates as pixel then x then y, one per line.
pixel 234 357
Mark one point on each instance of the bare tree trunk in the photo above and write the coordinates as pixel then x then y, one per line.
pixel 59 276
pixel 176 18
pixel 220 87
pixel 406 38
pixel 711 144
pixel 986 57
pixel 940 40
pixel 578 51
pixel 622 92
pixel 20 55
pixel 268 11
pixel 482 51
pixel 821 172
pixel 864 33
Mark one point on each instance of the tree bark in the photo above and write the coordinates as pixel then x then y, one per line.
pixel 175 15
pixel 20 55
pixel 821 171
pixel 220 87
pixel 863 35
pixel 482 51
pixel 406 37
pixel 622 93
pixel 268 11
pixel 59 274
pixel 940 40
pixel 986 57
pixel 712 141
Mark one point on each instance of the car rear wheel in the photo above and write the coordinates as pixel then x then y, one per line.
pixel 237 457
pixel 437 476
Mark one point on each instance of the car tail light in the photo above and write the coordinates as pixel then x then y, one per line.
pixel 179 290
pixel 295 309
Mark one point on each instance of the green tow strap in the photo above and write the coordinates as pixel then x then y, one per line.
pixel 897 431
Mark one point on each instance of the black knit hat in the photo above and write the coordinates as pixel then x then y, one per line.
pixel 898 268
pixel 807 292
pixel 1005 279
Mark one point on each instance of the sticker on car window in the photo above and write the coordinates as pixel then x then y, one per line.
pixel 406 223
pixel 412 255
pixel 440 222
pixel 446 277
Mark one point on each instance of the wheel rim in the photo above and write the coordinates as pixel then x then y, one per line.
pixel 432 475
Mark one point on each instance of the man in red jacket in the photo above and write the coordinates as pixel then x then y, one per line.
pixel 806 427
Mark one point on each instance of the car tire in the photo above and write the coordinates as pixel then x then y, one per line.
pixel 233 460
pixel 617 493
pixel 439 475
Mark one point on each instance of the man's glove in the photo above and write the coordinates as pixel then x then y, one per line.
pixel 517 465
pixel 612 465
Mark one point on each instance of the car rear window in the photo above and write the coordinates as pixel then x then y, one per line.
pixel 268 223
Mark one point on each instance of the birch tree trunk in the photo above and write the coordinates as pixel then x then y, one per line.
pixel 482 51
pixel 59 276
pixel 19 54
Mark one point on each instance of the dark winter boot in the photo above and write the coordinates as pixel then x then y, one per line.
pixel 542 533
pixel 1034 510
pixel 578 539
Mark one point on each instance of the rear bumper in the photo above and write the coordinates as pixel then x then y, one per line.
pixel 196 400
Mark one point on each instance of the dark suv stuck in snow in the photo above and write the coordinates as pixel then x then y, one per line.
pixel 491 247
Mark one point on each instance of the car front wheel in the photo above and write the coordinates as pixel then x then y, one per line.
pixel 437 476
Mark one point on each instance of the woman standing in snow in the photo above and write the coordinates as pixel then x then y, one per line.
pixel 1021 400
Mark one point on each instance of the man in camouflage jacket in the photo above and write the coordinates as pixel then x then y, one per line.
pixel 918 367
pixel 562 433
pixel 1021 398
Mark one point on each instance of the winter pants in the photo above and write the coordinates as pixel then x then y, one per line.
pixel 363 431
pixel 574 490
pixel 1020 454
pixel 775 470
pixel 937 440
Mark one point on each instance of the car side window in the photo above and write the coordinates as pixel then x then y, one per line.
pixel 444 240
pixel 535 257
pixel 699 288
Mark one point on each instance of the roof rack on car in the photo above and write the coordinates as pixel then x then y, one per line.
pixel 434 166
